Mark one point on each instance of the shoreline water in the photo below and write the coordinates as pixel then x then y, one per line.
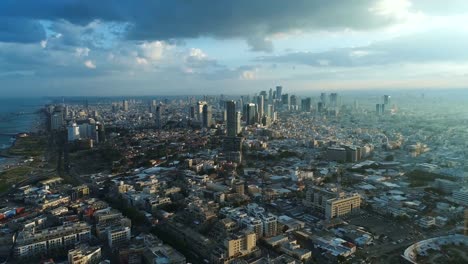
pixel 36 125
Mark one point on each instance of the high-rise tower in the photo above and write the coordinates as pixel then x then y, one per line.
pixel 207 115
pixel 233 119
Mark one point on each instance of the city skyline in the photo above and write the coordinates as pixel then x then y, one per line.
pixel 76 48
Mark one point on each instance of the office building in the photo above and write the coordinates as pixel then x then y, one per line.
pixel 158 117
pixel 88 130
pixel 207 116
pixel 279 90
pixel 73 132
pixel 199 110
pixel 331 204
pixel 250 113
pixel 306 104
pixel 323 99
pixel 285 100
pixel 233 148
pixel 101 132
pixel 270 111
pixel 386 99
pixel 293 103
pixel 125 105
pixel 320 107
pixel 233 119
pixel 334 100
pixel 380 109
pixel 260 107
pixel 270 96
pixel 192 112
pixel 343 205
pixel 56 121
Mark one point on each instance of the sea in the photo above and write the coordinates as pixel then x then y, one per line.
pixel 18 115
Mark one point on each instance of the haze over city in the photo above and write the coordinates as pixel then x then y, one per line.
pixel 167 47
pixel 233 132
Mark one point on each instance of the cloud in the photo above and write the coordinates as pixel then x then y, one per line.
pixel 197 54
pixel 198 59
pixel 248 75
pixel 20 30
pixel 438 7
pixel 141 61
pixel 253 21
pixel 431 46
pixel 43 44
pixel 82 52
pixel 154 50
pixel 90 64
pixel 260 43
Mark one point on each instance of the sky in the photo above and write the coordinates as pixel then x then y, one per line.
pixel 183 47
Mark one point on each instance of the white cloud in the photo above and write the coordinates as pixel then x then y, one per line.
pixel 248 75
pixel 44 44
pixel 154 50
pixel 82 52
pixel 391 8
pixel 141 61
pixel 90 64
pixel 197 53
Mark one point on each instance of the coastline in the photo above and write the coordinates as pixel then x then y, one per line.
pixel 7 160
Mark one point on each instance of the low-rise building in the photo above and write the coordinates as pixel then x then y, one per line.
pixel 33 242
pixel 118 236
pixel 84 254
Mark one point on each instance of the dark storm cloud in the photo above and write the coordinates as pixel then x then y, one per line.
pixel 432 46
pixel 253 21
pixel 13 29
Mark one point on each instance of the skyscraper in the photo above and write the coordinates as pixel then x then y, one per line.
pixel 250 113
pixel 199 110
pixel 279 90
pixel 320 107
pixel 386 99
pixel 56 121
pixel 323 99
pixel 293 102
pixel 125 105
pixel 270 96
pixel 233 119
pixel 207 115
pixel 285 100
pixel 260 107
pixel 333 99
pixel 380 109
pixel 270 111
pixel 306 104
pixel 73 132
pixel 158 119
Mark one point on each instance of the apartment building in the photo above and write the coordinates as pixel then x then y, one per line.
pixel 33 242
